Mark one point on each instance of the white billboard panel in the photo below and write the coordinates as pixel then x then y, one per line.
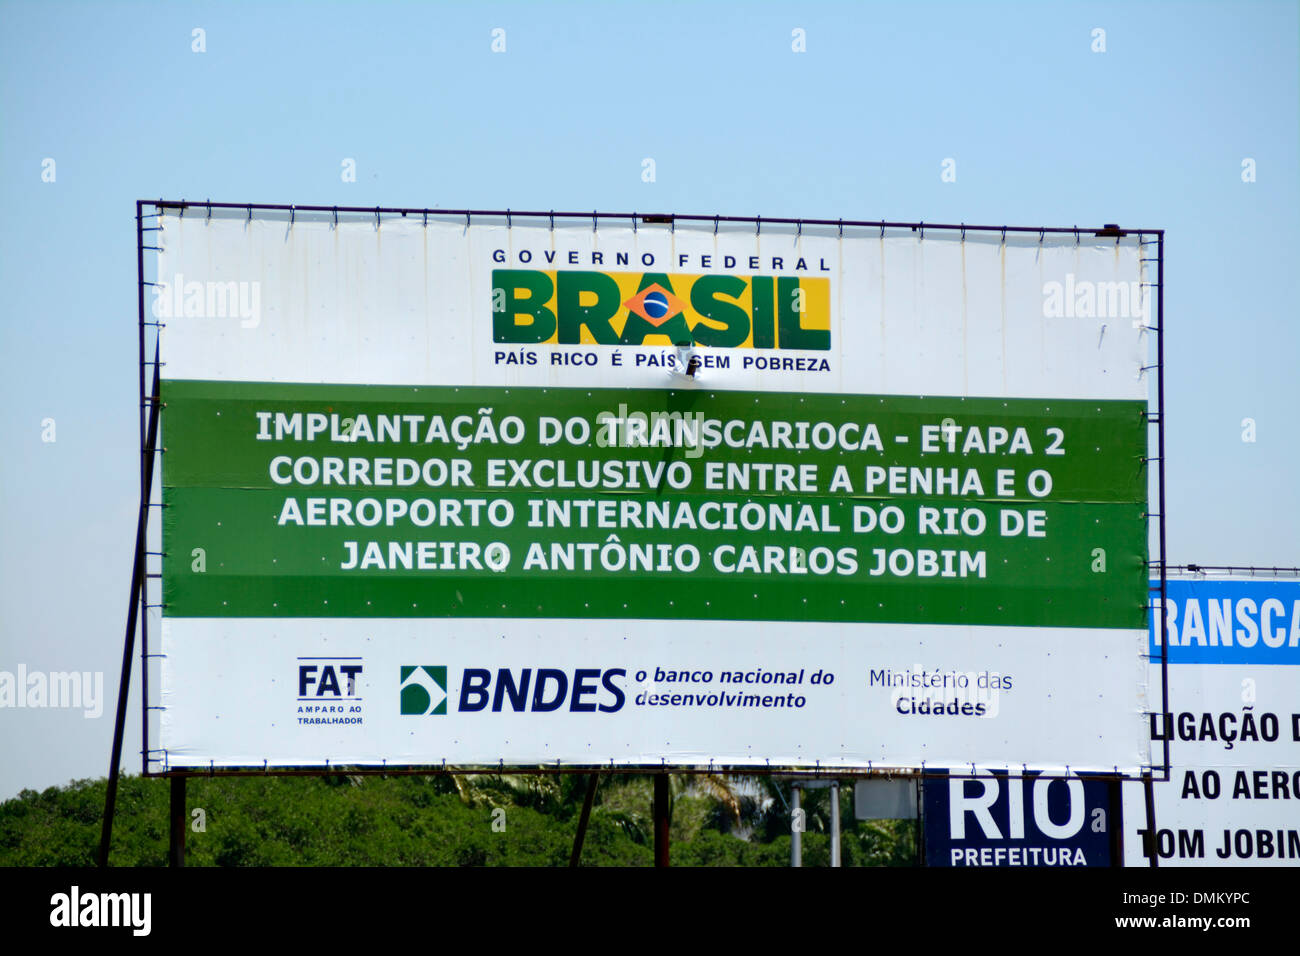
pixel 473 491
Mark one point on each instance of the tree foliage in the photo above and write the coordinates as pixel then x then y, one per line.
pixel 443 820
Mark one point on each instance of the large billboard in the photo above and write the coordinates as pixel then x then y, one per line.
pixel 1233 726
pixel 484 489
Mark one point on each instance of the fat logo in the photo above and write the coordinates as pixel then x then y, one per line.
pixel 329 691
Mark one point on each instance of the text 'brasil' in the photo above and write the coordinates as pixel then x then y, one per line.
pixel 531 306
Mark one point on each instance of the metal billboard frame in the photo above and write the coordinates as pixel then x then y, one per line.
pixel 150 409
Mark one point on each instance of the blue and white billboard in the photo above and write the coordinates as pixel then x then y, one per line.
pixel 999 820
pixel 1233 724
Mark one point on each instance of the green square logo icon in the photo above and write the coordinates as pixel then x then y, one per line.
pixel 423 690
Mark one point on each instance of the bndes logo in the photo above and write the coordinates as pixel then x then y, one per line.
pixel 423 690
pixel 584 690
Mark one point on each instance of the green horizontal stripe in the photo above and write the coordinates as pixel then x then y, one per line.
pixel 220 499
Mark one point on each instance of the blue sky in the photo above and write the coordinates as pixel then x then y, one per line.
pixel 1044 131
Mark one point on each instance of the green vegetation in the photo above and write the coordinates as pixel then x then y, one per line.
pixel 445 820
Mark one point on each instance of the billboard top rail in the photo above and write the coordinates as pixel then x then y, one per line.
pixel 1201 570
pixel 1105 231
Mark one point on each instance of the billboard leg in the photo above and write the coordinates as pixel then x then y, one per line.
pixel 661 819
pixel 796 828
pixel 581 835
pixel 176 849
pixel 133 607
pixel 835 823
pixel 1152 846
pixel 1116 823
pixel 920 822
pixel 123 686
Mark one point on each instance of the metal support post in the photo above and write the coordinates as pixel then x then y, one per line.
pixel 179 817
pixel 835 823
pixel 796 827
pixel 661 819
pixel 588 798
